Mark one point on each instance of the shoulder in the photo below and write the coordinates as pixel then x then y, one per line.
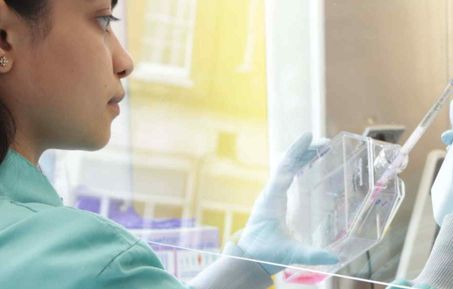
pixel 66 220
pixel 79 228
pixel 87 221
pixel 77 241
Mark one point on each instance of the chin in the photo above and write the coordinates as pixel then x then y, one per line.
pixel 88 140
pixel 95 143
pixel 95 147
pixel 100 144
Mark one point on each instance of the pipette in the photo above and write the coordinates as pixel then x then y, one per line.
pixel 397 165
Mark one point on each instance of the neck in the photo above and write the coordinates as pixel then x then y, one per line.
pixel 29 151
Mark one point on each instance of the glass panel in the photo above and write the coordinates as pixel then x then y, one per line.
pixel 212 105
pixel 200 151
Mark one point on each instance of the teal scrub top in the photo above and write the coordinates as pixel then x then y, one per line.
pixel 44 244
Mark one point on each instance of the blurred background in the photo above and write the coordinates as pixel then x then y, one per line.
pixel 222 87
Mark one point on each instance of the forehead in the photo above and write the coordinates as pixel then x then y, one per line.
pixel 114 2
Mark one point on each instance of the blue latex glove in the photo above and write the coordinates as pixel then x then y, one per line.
pixel 442 189
pixel 408 284
pixel 266 238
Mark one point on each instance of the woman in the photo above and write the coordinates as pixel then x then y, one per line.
pixel 60 71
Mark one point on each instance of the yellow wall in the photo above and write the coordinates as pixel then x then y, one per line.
pixel 219 46
pixel 223 97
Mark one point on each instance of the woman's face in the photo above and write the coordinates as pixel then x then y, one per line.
pixel 62 89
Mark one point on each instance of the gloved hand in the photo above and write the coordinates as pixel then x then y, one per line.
pixel 266 238
pixel 442 189
pixel 408 284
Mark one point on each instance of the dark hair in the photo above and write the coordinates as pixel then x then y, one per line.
pixel 34 12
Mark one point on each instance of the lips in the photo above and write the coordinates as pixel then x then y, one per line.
pixel 116 99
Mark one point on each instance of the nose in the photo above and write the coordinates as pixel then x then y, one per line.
pixel 123 64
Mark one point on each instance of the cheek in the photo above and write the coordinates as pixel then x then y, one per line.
pixel 77 70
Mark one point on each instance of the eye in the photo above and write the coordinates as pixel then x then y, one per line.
pixel 104 21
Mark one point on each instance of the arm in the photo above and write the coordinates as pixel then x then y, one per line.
pixel 266 238
pixel 438 270
pixel 232 273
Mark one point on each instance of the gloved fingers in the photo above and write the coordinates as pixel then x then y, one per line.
pixel 272 202
pixel 447 137
pixel 423 286
pixel 270 208
pixel 401 282
pixel 319 143
pixel 409 284
pixel 312 151
pixel 297 155
pixel 310 256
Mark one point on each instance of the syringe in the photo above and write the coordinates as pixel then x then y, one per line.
pixel 398 164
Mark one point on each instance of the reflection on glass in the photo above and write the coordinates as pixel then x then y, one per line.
pixel 198 125
pixel 198 129
pixel 166 44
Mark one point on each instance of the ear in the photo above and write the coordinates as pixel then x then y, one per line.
pixel 11 27
pixel 6 59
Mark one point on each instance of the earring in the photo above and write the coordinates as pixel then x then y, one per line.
pixel 4 61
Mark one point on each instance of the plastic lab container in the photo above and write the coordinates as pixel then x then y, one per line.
pixel 339 206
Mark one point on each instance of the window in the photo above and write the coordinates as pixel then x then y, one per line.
pixel 166 54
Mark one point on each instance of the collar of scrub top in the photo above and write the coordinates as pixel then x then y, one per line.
pixel 23 182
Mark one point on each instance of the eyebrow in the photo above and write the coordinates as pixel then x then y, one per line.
pixel 114 2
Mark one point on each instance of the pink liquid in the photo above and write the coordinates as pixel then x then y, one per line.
pixel 379 187
pixel 308 278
